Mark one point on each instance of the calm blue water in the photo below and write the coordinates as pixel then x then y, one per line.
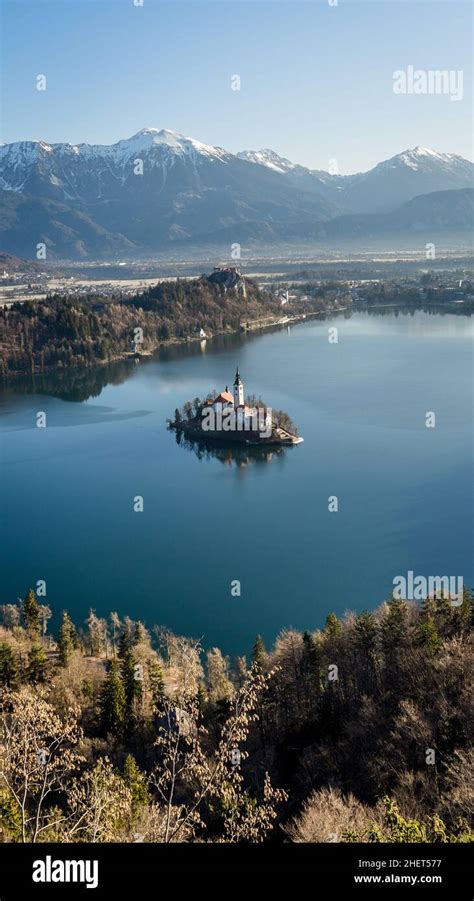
pixel 405 491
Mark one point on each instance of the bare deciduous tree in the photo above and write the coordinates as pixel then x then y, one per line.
pixel 100 805
pixel 219 685
pixel 216 776
pixel 11 615
pixel 38 754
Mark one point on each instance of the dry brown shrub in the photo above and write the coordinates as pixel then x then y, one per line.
pixel 327 815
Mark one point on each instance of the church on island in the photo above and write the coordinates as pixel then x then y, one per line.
pixel 229 412
pixel 228 418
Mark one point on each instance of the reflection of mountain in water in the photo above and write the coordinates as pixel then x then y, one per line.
pixel 236 454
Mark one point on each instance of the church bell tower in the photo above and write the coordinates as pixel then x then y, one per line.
pixel 238 390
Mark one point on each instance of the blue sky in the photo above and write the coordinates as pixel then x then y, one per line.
pixel 316 80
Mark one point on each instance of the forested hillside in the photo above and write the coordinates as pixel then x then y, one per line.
pixel 65 331
pixel 360 731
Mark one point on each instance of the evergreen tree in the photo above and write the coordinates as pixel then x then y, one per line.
pixel 31 612
pixel 8 667
pixel 10 817
pixel 366 640
pixel 429 604
pixel 259 654
pixel 113 702
pixel 141 633
pixel 333 626
pixel 125 643
pixel 130 675
pixel 137 782
pixel 394 626
pixel 427 635
pixel 311 653
pixel 67 639
pixel 157 685
pixel 37 661
pixel 441 607
pixel 366 632
pixel 465 613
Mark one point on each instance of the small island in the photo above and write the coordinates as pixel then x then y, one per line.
pixel 230 417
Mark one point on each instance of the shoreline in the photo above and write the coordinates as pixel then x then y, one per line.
pixel 194 433
pixel 254 326
pixel 168 342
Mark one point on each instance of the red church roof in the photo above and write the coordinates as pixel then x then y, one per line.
pixel 225 397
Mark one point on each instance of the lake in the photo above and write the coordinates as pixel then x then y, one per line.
pixel 404 490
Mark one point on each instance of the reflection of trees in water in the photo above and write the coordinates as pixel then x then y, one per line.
pixel 73 384
pixel 79 385
pixel 432 309
pixel 237 454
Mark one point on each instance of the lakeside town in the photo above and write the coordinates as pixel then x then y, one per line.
pixel 336 283
pixel 83 326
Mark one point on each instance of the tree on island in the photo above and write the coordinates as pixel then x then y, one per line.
pixel 282 420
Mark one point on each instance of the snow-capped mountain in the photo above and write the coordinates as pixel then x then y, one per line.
pixel 399 179
pixel 148 192
pixel 71 169
pixel 160 188
pixel 387 185
pixel 312 180
pixel 267 158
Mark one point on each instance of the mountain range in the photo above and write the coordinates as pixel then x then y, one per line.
pixel 160 190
